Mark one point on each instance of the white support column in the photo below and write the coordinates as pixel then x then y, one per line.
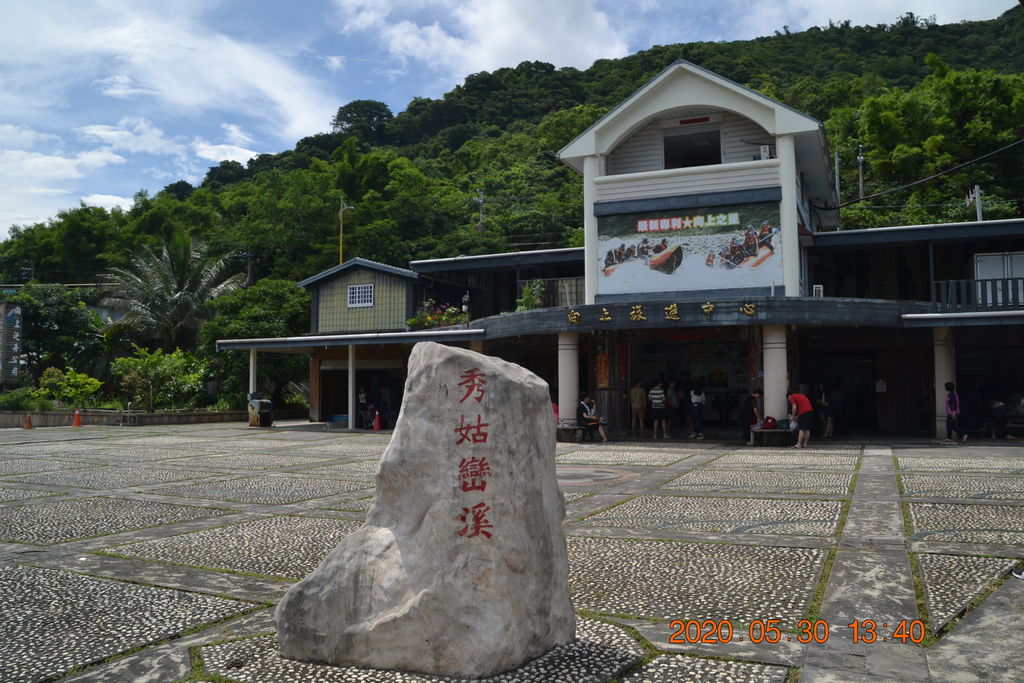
pixel 592 168
pixel 775 371
pixel 252 371
pixel 789 215
pixel 945 371
pixel 352 419
pixel 568 376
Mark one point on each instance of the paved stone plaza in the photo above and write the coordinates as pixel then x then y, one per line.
pixel 157 554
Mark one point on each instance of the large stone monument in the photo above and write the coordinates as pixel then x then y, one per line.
pixel 461 569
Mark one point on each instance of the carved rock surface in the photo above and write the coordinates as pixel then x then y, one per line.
pixel 461 569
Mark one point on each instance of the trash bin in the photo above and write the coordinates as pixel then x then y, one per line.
pixel 261 413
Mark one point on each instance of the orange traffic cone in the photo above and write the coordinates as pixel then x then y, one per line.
pixel 77 422
pixel 28 421
pixel 376 422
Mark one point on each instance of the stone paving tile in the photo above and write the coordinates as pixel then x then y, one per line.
pixel 189 442
pixel 366 469
pixel 50 448
pixel 284 546
pixel 250 461
pixel 613 456
pixel 676 668
pixel 133 454
pixel 30 465
pixel 109 477
pixel 52 621
pixel 599 652
pixel 50 522
pixel 337 450
pixel 725 481
pixel 952 486
pixel 573 496
pixel 1007 465
pixel 7 494
pixel 811 450
pixel 267 490
pixel 723 515
pixel 693 580
pixel 951 582
pixel 1001 524
pixel 743 460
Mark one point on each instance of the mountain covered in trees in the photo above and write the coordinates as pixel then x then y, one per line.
pixel 475 171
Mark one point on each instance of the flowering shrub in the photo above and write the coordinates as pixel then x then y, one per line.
pixel 430 314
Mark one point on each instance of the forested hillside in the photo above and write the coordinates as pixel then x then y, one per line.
pixel 475 171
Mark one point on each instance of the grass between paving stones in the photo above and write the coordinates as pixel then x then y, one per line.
pixel 931 635
pixel 606 508
pixel 908 521
pixel 198 666
pixel 844 514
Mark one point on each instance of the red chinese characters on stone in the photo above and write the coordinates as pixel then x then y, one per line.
pixel 471 432
pixel 475 520
pixel 473 474
pixel 473 380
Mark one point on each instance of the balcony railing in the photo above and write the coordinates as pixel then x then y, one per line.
pixel 561 291
pixel 965 295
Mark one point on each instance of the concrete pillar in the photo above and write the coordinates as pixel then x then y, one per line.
pixel 568 376
pixel 775 371
pixel 592 168
pixel 314 389
pixel 945 371
pixel 252 371
pixel 789 215
pixel 352 419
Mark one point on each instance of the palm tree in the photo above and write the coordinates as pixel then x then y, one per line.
pixel 165 292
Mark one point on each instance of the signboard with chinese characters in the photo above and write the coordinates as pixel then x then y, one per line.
pixel 10 343
pixel 715 247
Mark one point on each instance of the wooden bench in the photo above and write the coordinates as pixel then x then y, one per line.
pixel 771 437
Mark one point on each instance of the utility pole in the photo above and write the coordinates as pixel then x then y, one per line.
pixel 860 171
pixel 342 208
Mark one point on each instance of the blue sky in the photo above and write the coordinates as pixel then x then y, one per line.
pixel 102 98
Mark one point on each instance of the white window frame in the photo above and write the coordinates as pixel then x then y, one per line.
pixel 360 296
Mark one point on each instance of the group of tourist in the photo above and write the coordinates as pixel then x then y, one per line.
pixel 669 405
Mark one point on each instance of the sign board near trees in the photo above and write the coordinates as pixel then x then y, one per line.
pixel 10 343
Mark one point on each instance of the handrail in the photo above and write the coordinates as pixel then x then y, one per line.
pixel 1004 293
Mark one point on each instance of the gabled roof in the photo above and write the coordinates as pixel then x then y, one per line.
pixel 685 84
pixel 355 263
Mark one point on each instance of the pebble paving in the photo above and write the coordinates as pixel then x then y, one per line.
pixel 282 546
pixel 606 456
pixel 1001 524
pixel 1011 465
pixel 723 515
pixel 952 486
pixel 676 668
pixel 108 477
pixel 599 652
pixel 64 520
pixel 43 634
pixel 268 490
pixel 30 465
pixel 789 462
pixel 131 454
pixel 8 495
pixel 951 582
pixel 251 461
pixel 366 469
pixel 692 580
pixel 725 481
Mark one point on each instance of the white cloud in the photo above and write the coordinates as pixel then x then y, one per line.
pixel 235 135
pixel 334 63
pixel 163 54
pixel 134 135
pixel 23 137
pixel 108 201
pixel 218 153
pixel 465 36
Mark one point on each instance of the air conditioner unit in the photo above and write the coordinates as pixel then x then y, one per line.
pixel 766 152
pixel 818 291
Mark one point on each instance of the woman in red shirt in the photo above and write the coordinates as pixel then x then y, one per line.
pixel 802 412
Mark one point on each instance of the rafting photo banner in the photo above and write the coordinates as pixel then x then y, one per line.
pixel 714 247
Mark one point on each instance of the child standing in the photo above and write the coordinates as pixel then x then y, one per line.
pixel 953 414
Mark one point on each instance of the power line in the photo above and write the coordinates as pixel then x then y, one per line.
pixel 925 180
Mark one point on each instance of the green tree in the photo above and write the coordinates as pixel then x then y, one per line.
pixel 166 293
pixel 58 329
pixel 71 389
pixel 161 380
pixel 270 308
pixel 365 119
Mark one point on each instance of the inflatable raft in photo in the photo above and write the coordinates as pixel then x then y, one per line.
pixel 668 260
pixel 716 261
